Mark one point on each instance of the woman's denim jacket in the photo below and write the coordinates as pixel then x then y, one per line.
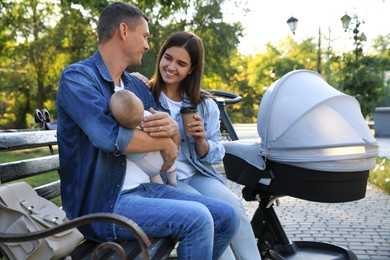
pixel 91 142
pixel 209 112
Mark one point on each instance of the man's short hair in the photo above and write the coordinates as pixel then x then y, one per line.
pixel 113 15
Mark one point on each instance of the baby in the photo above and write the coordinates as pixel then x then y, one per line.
pixel 128 111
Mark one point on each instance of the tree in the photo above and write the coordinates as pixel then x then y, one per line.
pixel 382 53
pixel 41 37
pixel 362 75
pixel 262 69
pixel 204 18
pixel 27 23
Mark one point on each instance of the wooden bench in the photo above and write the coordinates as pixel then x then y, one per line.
pixel 16 170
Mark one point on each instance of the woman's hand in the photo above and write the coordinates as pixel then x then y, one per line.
pixel 160 124
pixel 197 131
pixel 141 77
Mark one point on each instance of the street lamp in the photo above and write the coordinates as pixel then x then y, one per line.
pixel 345 20
pixel 292 23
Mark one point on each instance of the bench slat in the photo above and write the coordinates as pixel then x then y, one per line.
pixel 49 190
pixel 27 139
pixel 26 168
pixel 161 248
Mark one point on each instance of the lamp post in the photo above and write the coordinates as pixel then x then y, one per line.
pixel 319 54
pixel 358 39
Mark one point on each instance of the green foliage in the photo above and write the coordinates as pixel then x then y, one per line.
pixel 258 72
pixel 30 52
pixel 41 37
pixel 75 36
pixel 204 18
pixel 380 175
pixel 362 80
pixel 363 77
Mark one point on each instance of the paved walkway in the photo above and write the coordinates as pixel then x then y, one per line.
pixel 362 226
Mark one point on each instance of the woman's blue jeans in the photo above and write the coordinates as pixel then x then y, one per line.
pixel 204 226
pixel 243 245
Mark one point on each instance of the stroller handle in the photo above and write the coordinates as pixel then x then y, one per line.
pixel 229 98
pixel 222 98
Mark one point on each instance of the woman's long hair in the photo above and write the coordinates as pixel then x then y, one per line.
pixel 190 85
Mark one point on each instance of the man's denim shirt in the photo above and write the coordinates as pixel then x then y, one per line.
pixel 209 112
pixel 91 142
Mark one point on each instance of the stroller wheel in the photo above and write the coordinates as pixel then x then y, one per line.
pixel 264 233
pixel 266 243
pixel 276 256
pixel 264 248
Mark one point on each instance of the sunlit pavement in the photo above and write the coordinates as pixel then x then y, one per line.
pixel 362 226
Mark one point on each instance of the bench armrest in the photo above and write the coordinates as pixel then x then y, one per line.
pixel 140 235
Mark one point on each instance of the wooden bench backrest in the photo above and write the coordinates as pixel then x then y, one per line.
pixel 16 170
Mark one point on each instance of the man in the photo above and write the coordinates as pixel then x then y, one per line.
pixel 95 175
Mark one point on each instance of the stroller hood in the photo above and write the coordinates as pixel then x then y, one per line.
pixel 305 122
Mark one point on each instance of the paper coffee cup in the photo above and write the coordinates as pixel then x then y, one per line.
pixel 187 114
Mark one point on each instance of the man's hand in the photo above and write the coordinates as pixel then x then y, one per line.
pixel 160 124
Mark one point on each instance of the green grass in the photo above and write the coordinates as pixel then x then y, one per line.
pixel 24 154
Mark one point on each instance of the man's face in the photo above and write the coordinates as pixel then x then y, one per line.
pixel 137 43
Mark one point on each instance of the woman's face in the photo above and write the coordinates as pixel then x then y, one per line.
pixel 175 65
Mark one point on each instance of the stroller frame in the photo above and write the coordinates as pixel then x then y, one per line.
pixel 273 242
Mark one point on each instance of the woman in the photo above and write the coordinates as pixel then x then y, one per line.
pixel 175 84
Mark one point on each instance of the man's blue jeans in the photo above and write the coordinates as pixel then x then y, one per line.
pixel 204 226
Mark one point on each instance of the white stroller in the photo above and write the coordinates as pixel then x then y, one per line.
pixel 315 145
